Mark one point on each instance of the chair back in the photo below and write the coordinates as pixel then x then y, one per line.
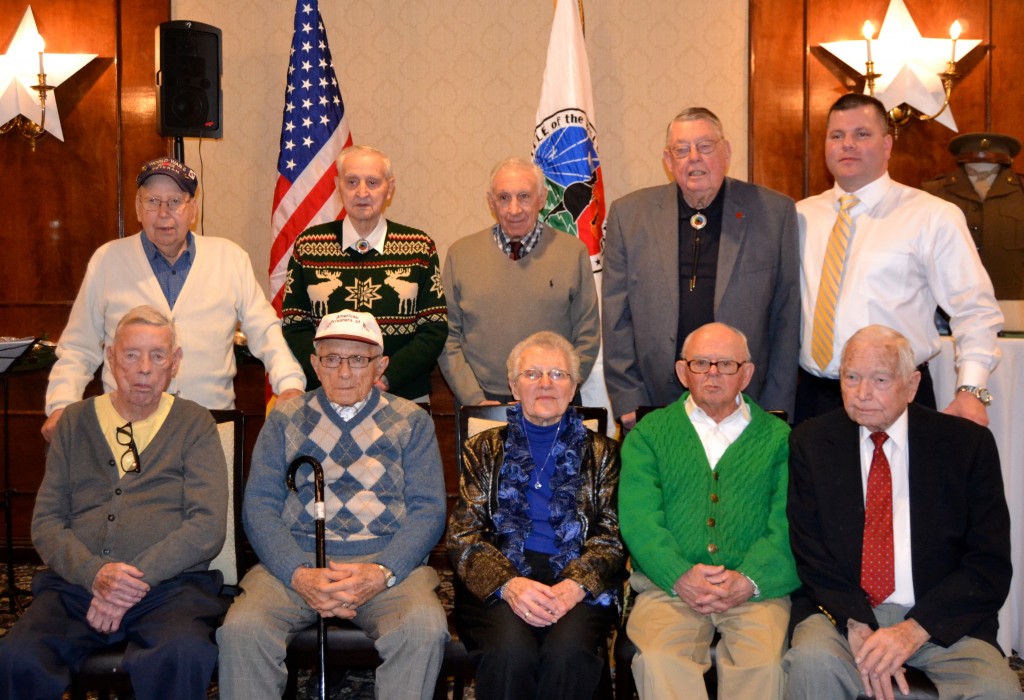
pixel 476 419
pixel 231 428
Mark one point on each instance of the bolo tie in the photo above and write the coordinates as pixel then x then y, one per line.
pixel 697 222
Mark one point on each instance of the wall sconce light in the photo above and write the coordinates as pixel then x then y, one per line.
pixel 23 88
pixel 901 114
pixel 25 126
pixel 915 75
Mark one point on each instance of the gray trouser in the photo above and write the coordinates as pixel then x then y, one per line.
pixel 819 664
pixel 407 624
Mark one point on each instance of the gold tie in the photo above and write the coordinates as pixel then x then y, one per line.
pixel 823 336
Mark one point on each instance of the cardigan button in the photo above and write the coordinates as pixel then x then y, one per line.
pixel 106 552
pixel 714 498
pixel 111 463
pixel 117 492
pixel 711 522
pixel 712 548
pixel 715 476
pixel 111 518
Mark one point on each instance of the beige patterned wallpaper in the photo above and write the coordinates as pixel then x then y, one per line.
pixel 449 87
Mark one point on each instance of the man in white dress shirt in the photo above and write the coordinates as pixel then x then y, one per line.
pixel 874 251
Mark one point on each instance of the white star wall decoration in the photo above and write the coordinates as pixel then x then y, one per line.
pixel 19 69
pixel 909 64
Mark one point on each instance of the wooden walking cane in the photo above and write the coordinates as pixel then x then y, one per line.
pixel 319 514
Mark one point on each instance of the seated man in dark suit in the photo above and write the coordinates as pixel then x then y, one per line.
pixel 901 534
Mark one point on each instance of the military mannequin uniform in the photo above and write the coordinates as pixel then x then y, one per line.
pixel 996 222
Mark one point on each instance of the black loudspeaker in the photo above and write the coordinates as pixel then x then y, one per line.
pixel 188 68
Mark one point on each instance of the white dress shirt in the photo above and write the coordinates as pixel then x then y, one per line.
pixel 898 453
pixel 349 236
pixel 909 252
pixel 716 437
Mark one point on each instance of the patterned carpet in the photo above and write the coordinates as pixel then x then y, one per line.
pixel 355 685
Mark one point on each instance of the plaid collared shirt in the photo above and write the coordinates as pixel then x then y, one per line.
pixel 529 241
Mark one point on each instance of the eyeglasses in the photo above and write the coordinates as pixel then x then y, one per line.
pixel 175 205
pixel 703 147
pixel 126 438
pixel 157 358
pixel 555 375
pixel 699 366
pixel 354 361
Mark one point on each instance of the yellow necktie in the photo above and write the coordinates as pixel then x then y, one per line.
pixel 823 336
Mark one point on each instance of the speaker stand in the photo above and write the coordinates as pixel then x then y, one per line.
pixel 179 149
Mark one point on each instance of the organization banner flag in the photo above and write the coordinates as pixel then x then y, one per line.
pixel 565 148
pixel 564 140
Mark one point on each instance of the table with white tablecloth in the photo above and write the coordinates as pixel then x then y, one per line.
pixel 1006 420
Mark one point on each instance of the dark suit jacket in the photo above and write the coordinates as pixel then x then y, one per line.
pixel 757 290
pixel 959 524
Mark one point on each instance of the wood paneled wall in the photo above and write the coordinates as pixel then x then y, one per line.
pixel 793 82
pixel 67 198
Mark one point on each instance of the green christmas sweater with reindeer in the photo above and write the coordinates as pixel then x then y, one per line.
pixel 400 286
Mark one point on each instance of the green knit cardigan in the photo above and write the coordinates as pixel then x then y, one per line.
pixel 675 511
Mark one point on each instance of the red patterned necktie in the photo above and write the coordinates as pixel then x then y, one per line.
pixel 877 569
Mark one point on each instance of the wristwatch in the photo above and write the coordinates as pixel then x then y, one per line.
pixel 978 392
pixel 389 575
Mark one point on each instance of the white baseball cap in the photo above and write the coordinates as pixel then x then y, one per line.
pixel 350 325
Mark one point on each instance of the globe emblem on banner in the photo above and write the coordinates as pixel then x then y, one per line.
pixel 564 149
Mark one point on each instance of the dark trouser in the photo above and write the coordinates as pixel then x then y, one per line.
pixel 816 395
pixel 171 652
pixel 524 662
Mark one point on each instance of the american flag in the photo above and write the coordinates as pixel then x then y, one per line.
pixel 313 132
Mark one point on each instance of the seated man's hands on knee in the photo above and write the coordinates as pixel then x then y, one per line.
pixel 710 589
pixel 880 654
pixel 321 589
pixel 359 582
pixel 115 588
pixel 339 589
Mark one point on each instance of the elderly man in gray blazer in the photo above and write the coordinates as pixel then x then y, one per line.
pixel 704 248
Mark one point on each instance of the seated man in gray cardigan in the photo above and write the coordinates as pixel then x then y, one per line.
pixel 385 510
pixel 131 511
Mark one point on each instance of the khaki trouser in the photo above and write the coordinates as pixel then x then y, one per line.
pixel 673 643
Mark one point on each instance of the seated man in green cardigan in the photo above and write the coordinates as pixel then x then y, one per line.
pixel 702 508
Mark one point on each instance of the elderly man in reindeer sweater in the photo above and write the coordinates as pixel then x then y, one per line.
pixel 205 284
pixel 702 508
pixel 385 510
pixel 368 263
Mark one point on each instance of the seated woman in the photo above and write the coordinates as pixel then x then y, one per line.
pixel 534 539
